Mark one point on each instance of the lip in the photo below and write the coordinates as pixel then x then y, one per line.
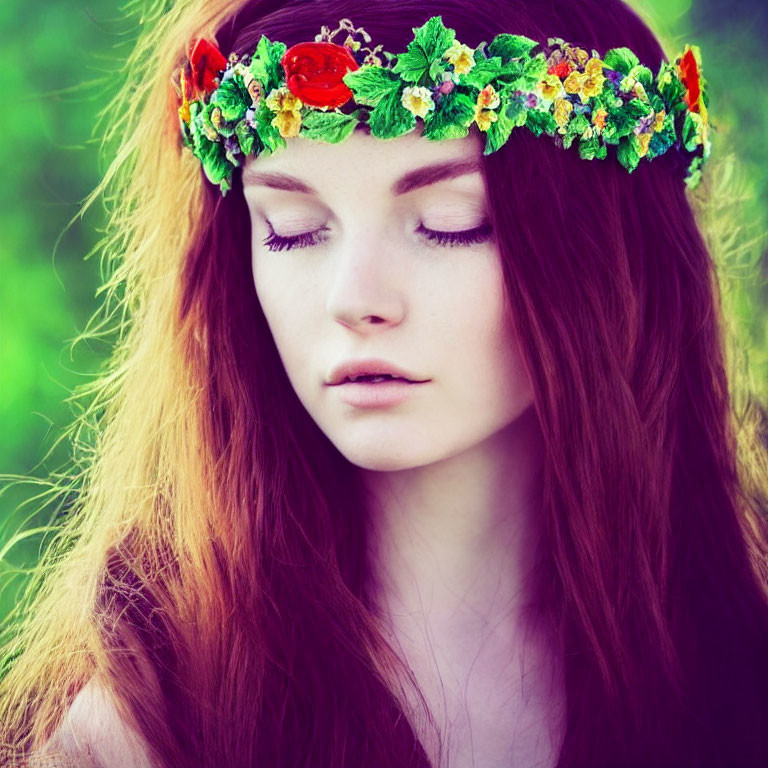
pixel 387 393
pixel 371 366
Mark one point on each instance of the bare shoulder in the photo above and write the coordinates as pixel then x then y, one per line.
pixel 93 734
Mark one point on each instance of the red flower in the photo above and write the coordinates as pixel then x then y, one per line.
pixel 689 75
pixel 207 61
pixel 314 72
pixel 561 69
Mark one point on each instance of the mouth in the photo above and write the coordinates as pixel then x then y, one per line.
pixel 376 379
pixel 376 391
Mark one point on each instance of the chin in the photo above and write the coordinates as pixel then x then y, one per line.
pixel 384 456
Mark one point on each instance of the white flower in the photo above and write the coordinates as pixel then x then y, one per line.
pixel 418 100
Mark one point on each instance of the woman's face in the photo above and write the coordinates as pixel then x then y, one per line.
pixel 364 280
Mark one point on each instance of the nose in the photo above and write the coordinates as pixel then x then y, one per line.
pixel 366 287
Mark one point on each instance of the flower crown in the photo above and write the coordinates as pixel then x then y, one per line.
pixel 235 107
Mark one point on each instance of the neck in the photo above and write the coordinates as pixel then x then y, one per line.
pixel 453 544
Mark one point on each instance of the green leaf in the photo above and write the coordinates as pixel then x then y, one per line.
pixel 433 38
pixel 430 42
pixel 668 84
pixel 186 134
pixel 511 72
pixel 245 137
pixel 622 121
pixel 437 68
pixel 215 164
pixel 268 133
pixel 197 128
pixel 620 59
pixel 642 75
pixel 446 131
pixel 371 84
pixel 511 46
pixel 496 136
pixel 517 112
pixel 412 66
pixel 637 108
pixel 661 141
pixel 578 125
pixel 693 176
pixel 451 118
pixel 533 71
pixel 690 132
pixel 390 118
pixel 588 148
pixel 538 121
pixel 331 127
pixel 626 154
pixel 265 65
pixel 233 98
pixel 482 73
pixel 657 103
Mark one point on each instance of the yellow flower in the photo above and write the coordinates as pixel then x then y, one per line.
pixel 658 123
pixel 562 113
pixel 640 93
pixel 580 56
pixel 592 86
pixel 287 105
pixel 484 118
pixel 210 132
pixel 573 83
pixel 418 100
pixel 488 98
pixel 586 85
pixel 631 85
pixel 288 122
pixel 252 85
pixel 550 87
pixel 461 56
pixel 598 118
pixel 593 67
pixel 643 140
pixel 282 100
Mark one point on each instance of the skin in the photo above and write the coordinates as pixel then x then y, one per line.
pixel 454 471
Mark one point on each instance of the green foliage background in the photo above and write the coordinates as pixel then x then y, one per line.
pixel 60 64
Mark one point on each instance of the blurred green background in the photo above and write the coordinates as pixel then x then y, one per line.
pixel 60 65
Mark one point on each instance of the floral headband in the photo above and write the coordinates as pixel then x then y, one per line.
pixel 235 107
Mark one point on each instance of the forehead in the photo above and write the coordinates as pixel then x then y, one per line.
pixel 393 165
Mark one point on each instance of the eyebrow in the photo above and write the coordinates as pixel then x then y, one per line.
pixel 420 177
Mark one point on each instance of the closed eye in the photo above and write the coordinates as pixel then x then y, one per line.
pixel 479 234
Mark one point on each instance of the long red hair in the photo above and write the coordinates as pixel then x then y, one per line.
pixel 220 548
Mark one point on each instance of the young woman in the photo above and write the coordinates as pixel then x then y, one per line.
pixel 546 547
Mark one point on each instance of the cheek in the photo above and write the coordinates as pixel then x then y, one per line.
pixel 283 300
pixel 488 354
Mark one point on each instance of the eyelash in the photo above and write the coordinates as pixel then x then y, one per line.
pixel 479 234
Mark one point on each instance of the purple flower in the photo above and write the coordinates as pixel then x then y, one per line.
pixel 531 100
pixel 231 144
pixel 250 117
pixel 614 76
pixel 446 87
pixel 644 124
